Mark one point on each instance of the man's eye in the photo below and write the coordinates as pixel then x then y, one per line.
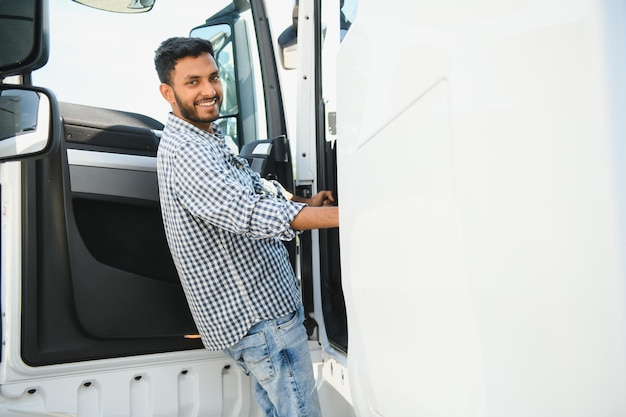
pixel 215 78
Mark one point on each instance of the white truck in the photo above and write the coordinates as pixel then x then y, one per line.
pixel 477 151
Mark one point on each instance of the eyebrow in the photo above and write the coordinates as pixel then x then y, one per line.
pixel 194 76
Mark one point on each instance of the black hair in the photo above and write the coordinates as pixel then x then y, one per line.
pixel 173 49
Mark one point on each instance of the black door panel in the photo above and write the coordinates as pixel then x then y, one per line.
pixel 115 130
pixel 99 280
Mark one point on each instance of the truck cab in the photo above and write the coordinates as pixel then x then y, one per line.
pixel 476 152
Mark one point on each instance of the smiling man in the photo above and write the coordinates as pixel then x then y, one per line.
pixel 224 226
pixel 193 87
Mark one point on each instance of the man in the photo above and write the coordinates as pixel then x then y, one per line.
pixel 224 226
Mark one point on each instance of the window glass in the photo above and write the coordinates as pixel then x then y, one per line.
pixel 348 13
pixel 106 59
pixel 18 112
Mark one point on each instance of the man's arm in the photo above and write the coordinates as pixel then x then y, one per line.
pixel 316 218
pixel 320 214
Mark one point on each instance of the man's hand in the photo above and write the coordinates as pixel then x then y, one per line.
pixel 323 198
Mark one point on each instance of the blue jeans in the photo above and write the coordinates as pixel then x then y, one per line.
pixel 276 353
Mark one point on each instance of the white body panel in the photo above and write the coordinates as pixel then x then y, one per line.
pixel 163 385
pixel 482 212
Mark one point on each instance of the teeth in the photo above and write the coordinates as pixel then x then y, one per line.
pixel 207 103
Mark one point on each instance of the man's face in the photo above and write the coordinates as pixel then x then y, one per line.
pixel 195 92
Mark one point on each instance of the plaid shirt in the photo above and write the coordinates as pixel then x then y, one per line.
pixel 224 227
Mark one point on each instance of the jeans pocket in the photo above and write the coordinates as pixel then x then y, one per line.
pixel 255 354
pixel 286 322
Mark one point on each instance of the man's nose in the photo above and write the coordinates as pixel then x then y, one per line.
pixel 209 90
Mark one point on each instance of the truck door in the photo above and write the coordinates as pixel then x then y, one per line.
pixel 98 278
pixel 99 281
pixel 94 318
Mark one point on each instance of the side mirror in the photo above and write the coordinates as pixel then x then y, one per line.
pixel 29 122
pixel 24 34
pixel 288 41
pixel 119 6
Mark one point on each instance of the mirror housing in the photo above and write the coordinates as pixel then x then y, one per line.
pixel 24 34
pixel 30 123
pixel 119 6
pixel 288 41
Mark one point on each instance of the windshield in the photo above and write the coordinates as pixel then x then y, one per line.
pixel 105 59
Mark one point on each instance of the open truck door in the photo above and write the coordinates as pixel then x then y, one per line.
pixel 94 321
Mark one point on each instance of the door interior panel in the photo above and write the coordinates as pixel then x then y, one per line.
pixel 112 129
pixel 99 280
pixel 125 236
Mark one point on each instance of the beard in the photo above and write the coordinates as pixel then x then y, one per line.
pixel 191 114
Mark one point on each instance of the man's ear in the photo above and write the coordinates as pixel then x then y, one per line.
pixel 167 92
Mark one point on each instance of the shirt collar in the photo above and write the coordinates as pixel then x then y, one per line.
pixel 177 122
